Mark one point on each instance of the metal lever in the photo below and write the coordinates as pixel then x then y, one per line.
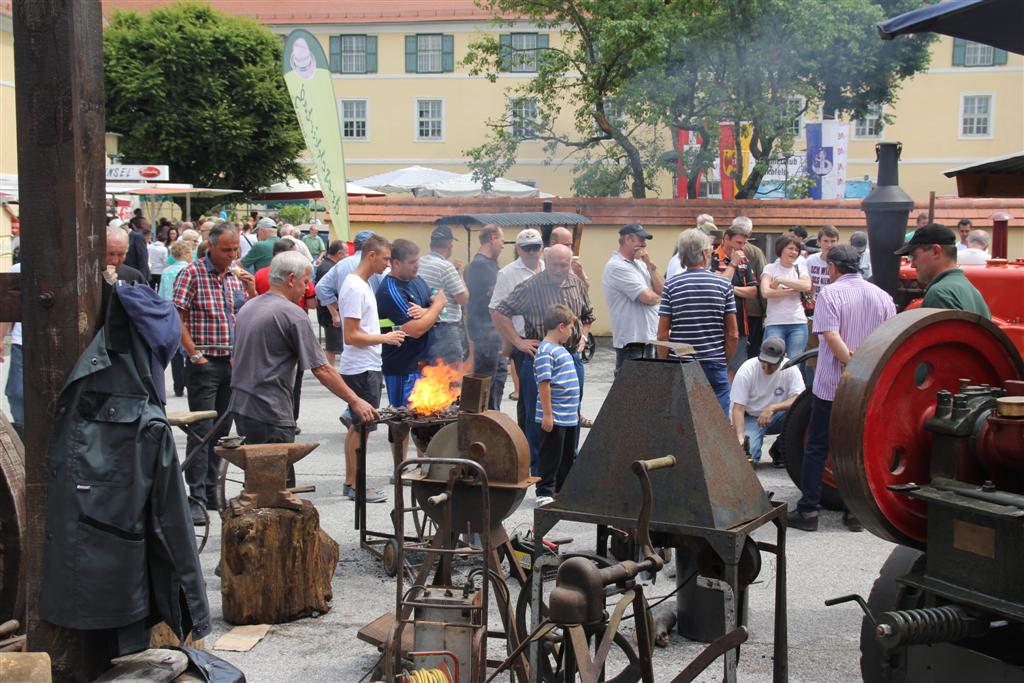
pixel 643 534
pixel 853 598
pixel 438 499
pixel 656 463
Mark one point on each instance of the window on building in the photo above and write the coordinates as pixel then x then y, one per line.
pixel 970 53
pixel 976 116
pixel 525 115
pixel 355 54
pixel 520 51
pixel 871 125
pixel 354 119
pixel 429 53
pixel 429 119
pixel 710 188
pixel 795 106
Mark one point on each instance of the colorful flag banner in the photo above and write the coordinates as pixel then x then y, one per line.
pixel 688 141
pixel 308 76
pixel 827 152
pixel 727 157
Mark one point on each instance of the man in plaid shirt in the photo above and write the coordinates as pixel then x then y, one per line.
pixel 207 293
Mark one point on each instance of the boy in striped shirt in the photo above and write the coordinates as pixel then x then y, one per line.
pixel 558 402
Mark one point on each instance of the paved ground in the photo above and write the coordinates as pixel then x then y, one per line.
pixel 823 641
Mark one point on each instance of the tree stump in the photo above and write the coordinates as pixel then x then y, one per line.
pixel 276 565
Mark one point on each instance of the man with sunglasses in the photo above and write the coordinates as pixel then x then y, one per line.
pixel 932 252
pixel 632 288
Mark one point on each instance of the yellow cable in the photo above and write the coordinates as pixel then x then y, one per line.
pixel 429 676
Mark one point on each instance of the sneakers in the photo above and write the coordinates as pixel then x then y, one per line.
pixel 372 495
pixel 586 423
pixel 852 523
pixel 348 492
pixel 544 500
pixel 802 521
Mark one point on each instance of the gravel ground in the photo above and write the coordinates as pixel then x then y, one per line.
pixel 823 642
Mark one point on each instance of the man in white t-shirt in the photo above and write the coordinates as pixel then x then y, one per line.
pixel 817 267
pixel 632 288
pixel 361 353
pixel 976 252
pixel 762 393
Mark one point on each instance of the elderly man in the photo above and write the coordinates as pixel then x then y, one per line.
pixel 562 235
pixel 312 240
pixel 448 338
pixel 481 277
pixel 528 263
pixel 932 252
pixel 847 311
pixel 556 284
pixel 208 294
pixel 699 308
pixel 117 250
pixel 632 288
pixel 290 232
pixel 976 253
pixel 963 228
pixel 273 339
pixel 762 394
pixel 263 251
pixel 729 260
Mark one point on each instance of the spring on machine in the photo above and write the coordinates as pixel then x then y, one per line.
pixel 925 625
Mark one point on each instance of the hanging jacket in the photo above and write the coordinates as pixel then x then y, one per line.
pixel 120 547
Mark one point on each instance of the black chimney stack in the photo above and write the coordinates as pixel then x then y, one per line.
pixel 887 209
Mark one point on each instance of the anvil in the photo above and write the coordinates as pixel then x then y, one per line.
pixel 266 474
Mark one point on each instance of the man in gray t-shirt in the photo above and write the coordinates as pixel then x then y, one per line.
pixel 272 334
pixel 632 288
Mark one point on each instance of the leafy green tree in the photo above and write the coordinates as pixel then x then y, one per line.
pixel 296 214
pixel 202 92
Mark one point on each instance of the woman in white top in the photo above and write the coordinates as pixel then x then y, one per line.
pixel 157 260
pixel 781 285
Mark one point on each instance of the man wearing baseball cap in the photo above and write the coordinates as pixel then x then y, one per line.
pixel 261 253
pixel 448 336
pixel 328 287
pixel 632 288
pixel 932 251
pixel 762 394
pixel 845 313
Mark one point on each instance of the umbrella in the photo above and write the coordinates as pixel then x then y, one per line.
pixel 465 186
pixel 406 179
pixel 992 22
pixel 187 192
pixel 297 189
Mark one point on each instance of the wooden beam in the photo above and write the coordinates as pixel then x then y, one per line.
pixel 58 76
pixel 10 297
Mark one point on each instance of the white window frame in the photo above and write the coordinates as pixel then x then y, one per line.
pixel 423 53
pixel 353 54
pixel 991 116
pixel 521 60
pixel 799 121
pixel 984 55
pixel 416 119
pixel 875 112
pixel 706 185
pixel 366 121
pixel 512 102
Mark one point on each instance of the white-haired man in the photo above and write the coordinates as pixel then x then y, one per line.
pixel 272 336
pixel 976 253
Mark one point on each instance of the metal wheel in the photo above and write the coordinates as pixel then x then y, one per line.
pixel 389 557
pixel 791 443
pixel 588 349
pixel 229 483
pixel 202 533
pixel 877 431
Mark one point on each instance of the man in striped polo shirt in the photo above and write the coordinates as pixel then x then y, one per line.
pixel 699 308
pixel 448 337
pixel 846 312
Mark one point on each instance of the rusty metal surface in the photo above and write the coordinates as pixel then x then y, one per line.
pixel 656 408
pixel 888 391
pixel 266 474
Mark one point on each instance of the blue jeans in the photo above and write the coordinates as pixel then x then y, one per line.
pixel 15 390
pixel 794 335
pixel 815 454
pixel 718 378
pixel 756 433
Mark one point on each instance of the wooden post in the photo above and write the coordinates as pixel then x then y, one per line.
pixel 58 74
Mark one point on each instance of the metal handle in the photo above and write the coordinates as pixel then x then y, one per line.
pixel 656 463
pixel 438 499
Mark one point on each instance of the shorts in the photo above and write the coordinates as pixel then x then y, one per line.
pixel 332 339
pixel 366 386
pixel 399 387
pixel 447 343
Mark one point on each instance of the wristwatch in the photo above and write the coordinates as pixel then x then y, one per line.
pixel 196 356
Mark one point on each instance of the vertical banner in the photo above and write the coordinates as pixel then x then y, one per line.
pixel 308 76
pixel 827 152
pixel 727 160
pixel 819 160
pixel 686 140
pixel 840 152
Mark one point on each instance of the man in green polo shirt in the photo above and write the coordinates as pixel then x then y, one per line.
pixel 312 240
pixel 932 252
pixel 262 252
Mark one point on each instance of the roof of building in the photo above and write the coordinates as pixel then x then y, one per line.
pixel 671 212
pixel 305 12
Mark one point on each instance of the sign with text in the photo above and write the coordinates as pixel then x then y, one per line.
pixel 138 172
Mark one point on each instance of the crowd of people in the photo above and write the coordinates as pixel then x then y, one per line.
pixel 387 309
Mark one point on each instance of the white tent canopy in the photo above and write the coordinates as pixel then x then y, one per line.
pixel 465 186
pixel 409 179
pixel 296 189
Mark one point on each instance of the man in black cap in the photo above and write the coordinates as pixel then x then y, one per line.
pixel 448 336
pixel 632 288
pixel 932 252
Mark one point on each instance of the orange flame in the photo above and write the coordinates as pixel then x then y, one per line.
pixel 435 390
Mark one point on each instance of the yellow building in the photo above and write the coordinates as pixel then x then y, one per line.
pixel 8 132
pixel 405 99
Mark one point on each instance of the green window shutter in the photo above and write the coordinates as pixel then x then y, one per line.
pixel 371 54
pixel 999 57
pixel 505 41
pixel 336 54
pixel 542 46
pixel 410 54
pixel 959 51
pixel 447 53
